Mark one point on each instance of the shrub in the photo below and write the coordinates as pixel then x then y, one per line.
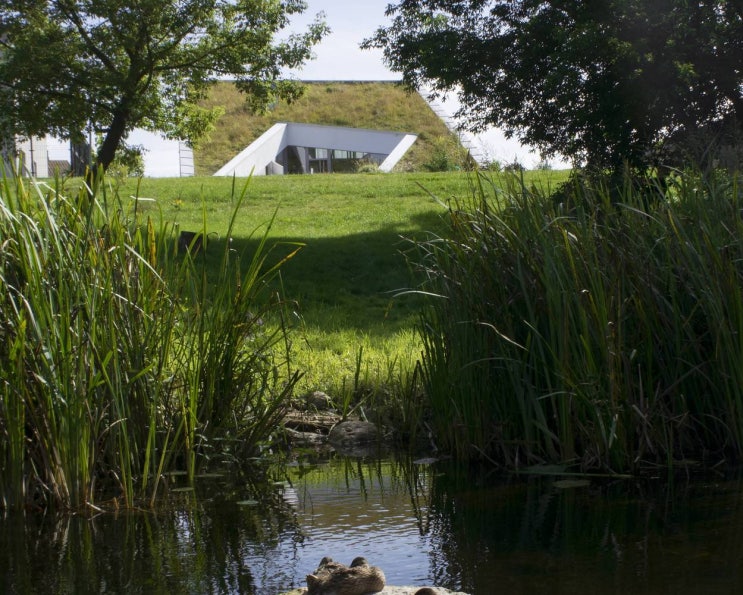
pixel 446 154
pixel 492 165
pixel 129 162
pixel 367 167
pixel 514 166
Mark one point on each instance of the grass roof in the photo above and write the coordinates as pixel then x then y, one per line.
pixel 374 105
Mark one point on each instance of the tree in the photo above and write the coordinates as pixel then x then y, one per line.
pixel 66 65
pixel 606 82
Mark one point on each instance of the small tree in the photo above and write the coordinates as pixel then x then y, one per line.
pixel 129 161
pixel 606 82
pixel 145 63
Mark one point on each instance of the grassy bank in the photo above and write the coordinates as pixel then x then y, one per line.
pixel 373 105
pixel 591 328
pixel 354 231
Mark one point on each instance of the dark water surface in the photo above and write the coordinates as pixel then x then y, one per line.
pixel 422 524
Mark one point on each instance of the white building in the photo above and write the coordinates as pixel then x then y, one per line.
pixel 284 148
pixel 39 157
pixel 289 147
pixel 47 156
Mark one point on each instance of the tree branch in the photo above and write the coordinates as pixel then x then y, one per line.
pixel 74 17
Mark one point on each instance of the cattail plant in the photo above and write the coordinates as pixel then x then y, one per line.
pixel 594 328
pixel 118 360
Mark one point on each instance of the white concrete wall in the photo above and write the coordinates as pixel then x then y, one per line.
pixel 397 153
pixel 261 152
pixel 257 155
pixel 162 156
pixel 34 157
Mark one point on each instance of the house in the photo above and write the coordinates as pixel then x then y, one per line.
pixel 48 156
pixel 289 147
pixel 45 157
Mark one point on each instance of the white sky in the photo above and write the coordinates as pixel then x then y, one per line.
pixel 338 57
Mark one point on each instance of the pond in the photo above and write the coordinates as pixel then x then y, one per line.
pixel 262 531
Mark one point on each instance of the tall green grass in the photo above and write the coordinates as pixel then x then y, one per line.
pixel 593 329
pixel 118 358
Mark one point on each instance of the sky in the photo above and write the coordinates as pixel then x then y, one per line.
pixel 339 57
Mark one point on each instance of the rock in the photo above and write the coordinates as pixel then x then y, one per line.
pixel 358 439
pixel 390 590
pixel 348 433
pixel 318 400
pixel 350 437
pixel 305 438
pixel 303 421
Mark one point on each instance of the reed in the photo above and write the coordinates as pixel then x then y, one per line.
pixel 595 329
pixel 117 361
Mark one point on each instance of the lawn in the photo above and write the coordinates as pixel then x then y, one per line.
pixel 352 325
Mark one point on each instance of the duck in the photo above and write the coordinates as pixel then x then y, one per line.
pixel 334 578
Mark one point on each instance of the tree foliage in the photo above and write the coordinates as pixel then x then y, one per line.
pixel 67 64
pixel 606 82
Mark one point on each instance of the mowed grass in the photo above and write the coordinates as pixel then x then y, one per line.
pixel 349 285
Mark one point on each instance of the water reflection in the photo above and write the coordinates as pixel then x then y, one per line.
pixel 608 537
pixel 262 531
pixel 200 542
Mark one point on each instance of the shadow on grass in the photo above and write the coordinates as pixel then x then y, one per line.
pixel 350 282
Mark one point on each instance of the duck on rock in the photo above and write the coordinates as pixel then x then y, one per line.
pixel 334 578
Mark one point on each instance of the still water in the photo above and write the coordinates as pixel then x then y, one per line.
pixel 261 531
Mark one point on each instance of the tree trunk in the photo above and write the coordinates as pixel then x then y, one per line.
pixel 113 138
pixel 108 149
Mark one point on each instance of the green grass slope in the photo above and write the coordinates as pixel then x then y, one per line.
pixel 347 279
pixel 375 105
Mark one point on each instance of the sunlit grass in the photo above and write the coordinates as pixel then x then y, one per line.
pixel 346 280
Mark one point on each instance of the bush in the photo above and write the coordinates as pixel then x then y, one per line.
pixel 367 167
pixel 514 166
pixel 492 165
pixel 129 162
pixel 447 154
